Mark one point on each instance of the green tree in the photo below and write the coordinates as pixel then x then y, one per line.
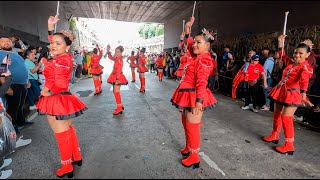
pixel 151 30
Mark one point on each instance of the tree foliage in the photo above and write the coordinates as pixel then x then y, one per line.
pixel 151 30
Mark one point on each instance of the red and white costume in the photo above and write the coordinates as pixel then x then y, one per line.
pixel 295 78
pixel 131 60
pixel 117 77
pixel 96 68
pixel 62 104
pixel 142 64
pixel 159 64
pixel 193 85
pixel 184 60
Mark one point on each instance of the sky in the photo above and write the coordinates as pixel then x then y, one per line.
pixel 111 31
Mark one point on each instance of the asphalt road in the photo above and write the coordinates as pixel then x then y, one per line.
pixel 145 141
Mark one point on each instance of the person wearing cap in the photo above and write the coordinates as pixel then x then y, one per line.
pixel 254 71
pixel 57 102
pixel 142 69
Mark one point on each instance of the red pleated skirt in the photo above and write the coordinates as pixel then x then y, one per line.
pixel 118 79
pixel 142 69
pixel 63 106
pixel 97 70
pixel 286 96
pixel 185 99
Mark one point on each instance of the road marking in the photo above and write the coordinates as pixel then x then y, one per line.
pixel 122 88
pixel 34 115
pixel 211 163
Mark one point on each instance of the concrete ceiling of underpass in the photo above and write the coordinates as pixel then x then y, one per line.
pixel 131 11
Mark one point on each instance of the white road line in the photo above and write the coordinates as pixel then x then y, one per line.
pixel 34 115
pixel 122 88
pixel 211 163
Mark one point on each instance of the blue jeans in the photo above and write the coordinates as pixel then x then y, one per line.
pixel 266 91
pixel 73 75
pixel 33 91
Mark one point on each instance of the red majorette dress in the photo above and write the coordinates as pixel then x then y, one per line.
pixel 96 68
pixel 132 60
pixel 61 104
pixel 184 60
pixel 159 63
pixel 117 77
pixel 142 64
pixel 193 85
pixel 295 79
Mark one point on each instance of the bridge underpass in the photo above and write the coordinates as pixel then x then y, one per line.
pixel 230 18
pixel 145 141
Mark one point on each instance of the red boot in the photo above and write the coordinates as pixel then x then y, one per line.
pixel 277 125
pixel 194 138
pixel 161 75
pixel 65 149
pixel 76 154
pixel 143 84
pixel 133 77
pixel 185 150
pixel 99 86
pixel 119 108
pixel 96 86
pixel 288 128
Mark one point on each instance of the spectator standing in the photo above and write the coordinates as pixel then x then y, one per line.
pixel 19 84
pixel 32 68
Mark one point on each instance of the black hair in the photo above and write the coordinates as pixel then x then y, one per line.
pixel 95 50
pixel 254 50
pixel 303 45
pixel 27 53
pixel 44 53
pixel 65 38
pixel 271 53
pixel 132 53
pixel 31 48
pixel 120 48
pixel 266 48
pixel 206 38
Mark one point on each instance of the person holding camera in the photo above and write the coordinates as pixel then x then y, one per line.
pixel 33 68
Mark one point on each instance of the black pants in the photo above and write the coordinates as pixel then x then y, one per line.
pixel 251 92
pixel 152 68
pixel 79 70
pixel 16 103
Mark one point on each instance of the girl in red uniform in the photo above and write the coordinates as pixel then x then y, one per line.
pixel 160 67
pixel 133 65
pixel 142 69
pixel 192 96
pixel 58 103
pixel 117 78
pixel 289 94
pixel 96 70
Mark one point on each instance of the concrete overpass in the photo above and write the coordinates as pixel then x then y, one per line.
pixel 230 18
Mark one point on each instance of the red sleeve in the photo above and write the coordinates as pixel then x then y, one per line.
pixel 190 49
pixel 203 70
pixel 286 60
pixel 111 57
pixel 61 75
pixel 306 74
pixel 100 53
pixel 261 69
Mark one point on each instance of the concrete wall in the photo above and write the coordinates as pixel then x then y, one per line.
pixel 30 17
pixel 234 18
